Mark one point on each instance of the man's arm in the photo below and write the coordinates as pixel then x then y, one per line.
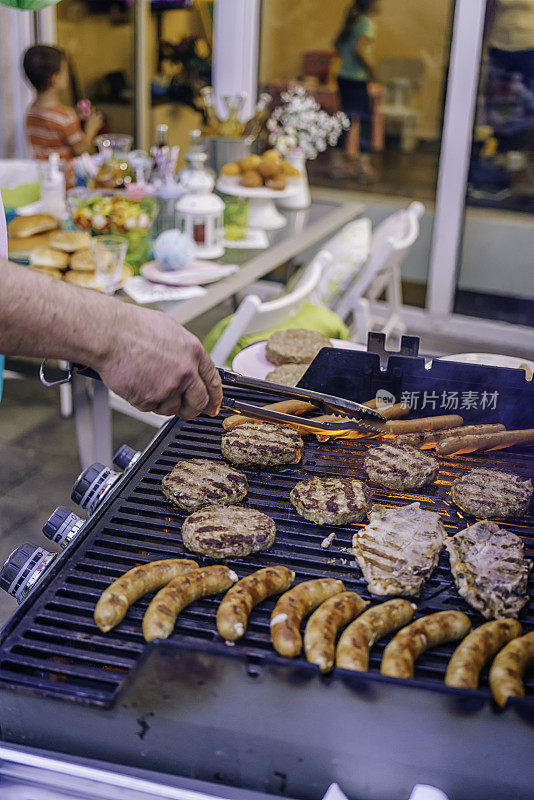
pixel 142 355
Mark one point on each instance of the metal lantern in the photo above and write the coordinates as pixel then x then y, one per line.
pixel 199 212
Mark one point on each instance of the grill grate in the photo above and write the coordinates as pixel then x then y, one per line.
pixel 55 647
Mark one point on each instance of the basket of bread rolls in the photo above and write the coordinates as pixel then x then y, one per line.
pixel 64 255
pixel 254 172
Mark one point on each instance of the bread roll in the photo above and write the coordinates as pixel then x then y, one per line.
pixel 278 183
pixel 82 260
pixel 231 169
pixel 50 271
pixel 70 241
pixel 251 179
pixel 250 162
pixel 48 257
pixel 21 247
pixel 22 227
pixel 269 167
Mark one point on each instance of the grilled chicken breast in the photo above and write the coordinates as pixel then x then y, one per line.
pixel 398 549
pixel 262 444
pixel 490 569
pixel 199 482
pixel 492 493
pixel 228 531
pixel 399 466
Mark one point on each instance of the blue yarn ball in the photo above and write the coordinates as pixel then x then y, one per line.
pixel 174 250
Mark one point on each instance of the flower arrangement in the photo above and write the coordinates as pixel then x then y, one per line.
pixel 300 122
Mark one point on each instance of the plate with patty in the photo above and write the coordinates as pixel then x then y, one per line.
pixel 492 493
pixel 400 466
pixel 199 482
pixel 228 531
pixel 262 444
pixel 331 499
pixel 252 361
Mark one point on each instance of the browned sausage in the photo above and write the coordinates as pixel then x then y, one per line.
pixel 284 406
pixel 426 439
pixel 238 602
pixel 353 647
pixel 323 625
pixel 160 616
pixel 291 609
pixel 401 653
pixel 115 601
pixel 489 441
pixel 506 673
pixel 470 656
pixel 423 424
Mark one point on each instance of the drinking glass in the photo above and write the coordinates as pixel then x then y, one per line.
pixel 108 254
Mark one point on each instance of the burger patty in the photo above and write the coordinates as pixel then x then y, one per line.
pixel 399 466
pixel 227 531
pixel 287 374
pixel 331 500
pixel 262 444
pixel 199 482
pixel 491 493
pixel 295 346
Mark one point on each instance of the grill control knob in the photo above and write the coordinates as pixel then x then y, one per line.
pixel 92 486
pixel 125 457
pixel 62 526
pixel 24 568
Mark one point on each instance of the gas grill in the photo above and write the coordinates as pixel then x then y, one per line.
pixel 241 715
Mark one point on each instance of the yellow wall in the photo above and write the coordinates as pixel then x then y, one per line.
pixel 405 28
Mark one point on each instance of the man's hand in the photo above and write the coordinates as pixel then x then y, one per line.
pixel 156 365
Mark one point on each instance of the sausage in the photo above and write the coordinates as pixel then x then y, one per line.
pixel 411 641
pixel 470 656
pixel 425 439
pixel 160 616
pixel 506 673
pixel 284 406
pixel 291 609
pixel 353 647
pixel 395 411
pixel 323 625
pixel 238 602
pixel 115 601
pixel 490 441
pixel 423 424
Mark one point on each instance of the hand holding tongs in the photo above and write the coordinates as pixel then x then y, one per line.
pixel 324 402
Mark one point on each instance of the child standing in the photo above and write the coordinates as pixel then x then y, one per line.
pixel 51 126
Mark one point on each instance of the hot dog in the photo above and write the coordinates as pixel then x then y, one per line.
pixel 160 616
pixel 426 439
pixel 470 656
pixel 284 406
pixel 238 602
pixel 323 625
pixel 424 424
pixel 115 601
pixel 506 673
pixel 353 647
pixel 401 653
pixel 291 609
pixel 491 441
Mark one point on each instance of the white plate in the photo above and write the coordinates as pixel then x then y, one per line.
pixel 253 363
pixel 491 360
pixel 200 272
pixel 230 185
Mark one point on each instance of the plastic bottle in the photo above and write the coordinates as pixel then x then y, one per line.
pixel 53 189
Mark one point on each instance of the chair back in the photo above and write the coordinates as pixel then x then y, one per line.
pixel 253 316
pixel 396 234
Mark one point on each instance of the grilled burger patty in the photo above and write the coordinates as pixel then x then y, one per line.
pixel 226 531
pixel 287 374
pixel 331 500
pixel 399 548
pixel 490 569
pixel 399 466
pixel 491 493
pixel 263 444
pixel 198 482
pixel 295 346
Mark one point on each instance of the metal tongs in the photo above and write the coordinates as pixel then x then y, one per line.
pixel 324 402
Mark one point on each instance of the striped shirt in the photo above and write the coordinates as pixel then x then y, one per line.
pixel 54 129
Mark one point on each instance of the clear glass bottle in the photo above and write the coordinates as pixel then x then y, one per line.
pixel 232 127
pixel 212 126
pixel 254 125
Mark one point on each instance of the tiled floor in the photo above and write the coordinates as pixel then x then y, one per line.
pixel 39 463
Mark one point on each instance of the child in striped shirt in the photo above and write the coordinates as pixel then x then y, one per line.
pixel 51 126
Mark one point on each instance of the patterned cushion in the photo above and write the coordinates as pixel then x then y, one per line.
pixel 349 250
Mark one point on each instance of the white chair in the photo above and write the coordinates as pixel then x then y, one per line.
pixel 391 241
pixel 253 316
pixel 401 77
